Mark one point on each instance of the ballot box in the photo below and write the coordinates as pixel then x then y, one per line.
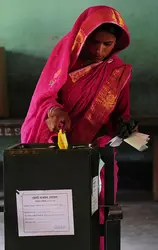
pixel 51 197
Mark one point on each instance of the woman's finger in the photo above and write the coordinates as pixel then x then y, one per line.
pixel 52 124
pixel 67 123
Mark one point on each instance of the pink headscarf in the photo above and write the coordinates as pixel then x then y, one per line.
pixel 61 60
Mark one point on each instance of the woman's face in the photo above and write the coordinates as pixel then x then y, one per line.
pixel 99 45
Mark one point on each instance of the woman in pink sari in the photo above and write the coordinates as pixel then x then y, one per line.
pixel 84 84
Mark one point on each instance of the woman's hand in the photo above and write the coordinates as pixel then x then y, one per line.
pixel 126 128
pixel 58 119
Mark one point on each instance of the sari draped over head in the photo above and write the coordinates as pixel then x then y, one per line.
pixel 89 94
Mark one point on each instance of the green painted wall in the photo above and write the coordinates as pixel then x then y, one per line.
pixel 29 30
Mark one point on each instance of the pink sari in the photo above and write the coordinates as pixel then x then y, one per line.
pixel 90 95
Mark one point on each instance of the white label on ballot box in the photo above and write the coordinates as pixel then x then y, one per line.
pixel 95 193
pixel 44 213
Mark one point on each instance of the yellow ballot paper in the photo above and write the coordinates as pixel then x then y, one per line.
pixel 62 140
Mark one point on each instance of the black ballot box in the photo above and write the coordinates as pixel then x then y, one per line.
pixel 50 197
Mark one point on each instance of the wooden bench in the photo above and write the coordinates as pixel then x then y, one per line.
pixel 9 133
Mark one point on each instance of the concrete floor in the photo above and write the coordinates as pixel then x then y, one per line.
pixel 139 226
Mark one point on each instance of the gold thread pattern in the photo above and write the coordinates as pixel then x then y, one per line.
pixel 56 75
pixel 105 99
pixel 75 76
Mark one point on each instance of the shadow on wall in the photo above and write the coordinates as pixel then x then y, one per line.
pixel 23 72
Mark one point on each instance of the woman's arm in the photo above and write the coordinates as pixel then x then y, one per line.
pixel 122 123
pixel 122 109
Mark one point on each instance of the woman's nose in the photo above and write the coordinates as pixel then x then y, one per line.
pixel 99 49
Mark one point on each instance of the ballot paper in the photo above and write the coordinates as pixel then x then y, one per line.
pixel 137 140
pixel 95 193
pixel 45 212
